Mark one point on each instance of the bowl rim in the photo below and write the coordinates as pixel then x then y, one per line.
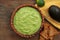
pixel 12 18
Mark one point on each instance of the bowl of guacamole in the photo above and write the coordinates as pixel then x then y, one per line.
pixel 26 20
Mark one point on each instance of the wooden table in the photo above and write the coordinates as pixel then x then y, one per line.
pixel 6 33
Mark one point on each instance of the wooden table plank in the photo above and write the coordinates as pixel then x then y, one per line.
pixel 6 33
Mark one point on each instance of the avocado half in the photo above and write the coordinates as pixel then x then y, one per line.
pixel 44 10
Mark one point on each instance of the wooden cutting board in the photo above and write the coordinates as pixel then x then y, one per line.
pixel 6 33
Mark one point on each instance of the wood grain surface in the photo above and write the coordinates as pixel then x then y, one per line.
pixel 6 33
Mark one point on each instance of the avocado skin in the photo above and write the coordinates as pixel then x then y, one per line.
pixel 54 12
pixel 40 3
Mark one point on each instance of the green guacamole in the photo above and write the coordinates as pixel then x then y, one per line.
pixel 27 20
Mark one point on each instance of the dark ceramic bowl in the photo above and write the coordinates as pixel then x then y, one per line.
pixel 12 17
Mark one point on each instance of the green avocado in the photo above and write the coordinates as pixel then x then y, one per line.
pixel 27 20
pixel 40 3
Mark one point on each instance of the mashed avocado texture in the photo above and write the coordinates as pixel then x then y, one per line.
pixel 27 20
